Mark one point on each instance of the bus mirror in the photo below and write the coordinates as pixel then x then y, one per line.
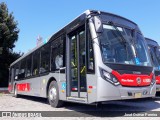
pixel 98 24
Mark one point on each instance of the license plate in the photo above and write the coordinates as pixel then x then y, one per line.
pixel 137 95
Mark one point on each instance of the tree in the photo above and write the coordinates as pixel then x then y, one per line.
pixel 8 36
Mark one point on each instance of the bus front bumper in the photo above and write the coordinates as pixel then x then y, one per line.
pixel 106 91
pixel 139 92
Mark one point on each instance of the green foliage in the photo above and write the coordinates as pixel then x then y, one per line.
pixel 8 36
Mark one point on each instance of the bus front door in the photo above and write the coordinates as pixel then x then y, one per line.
pixel 77 67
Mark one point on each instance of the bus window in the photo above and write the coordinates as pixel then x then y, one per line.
pixel 45 59
pixel 16 68
pixel 28 66
pixel 90 58
pixel 10 73
pixel 36 60
pixel 82 57
pixel 57 57
pixel 22 69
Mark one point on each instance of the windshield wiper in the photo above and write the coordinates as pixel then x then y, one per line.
pixel 125 41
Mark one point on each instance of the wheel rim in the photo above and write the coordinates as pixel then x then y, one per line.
pixel 53 94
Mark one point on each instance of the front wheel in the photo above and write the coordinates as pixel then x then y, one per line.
pixel 53 95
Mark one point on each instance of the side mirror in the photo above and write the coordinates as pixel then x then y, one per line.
pixel 98 24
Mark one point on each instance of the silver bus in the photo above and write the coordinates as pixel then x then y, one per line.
pixel 154 50
pixel 97 57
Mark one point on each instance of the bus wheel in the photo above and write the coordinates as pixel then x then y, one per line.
pixel 53 95
pixel 15 92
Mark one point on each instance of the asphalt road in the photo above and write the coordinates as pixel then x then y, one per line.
pixel 25 103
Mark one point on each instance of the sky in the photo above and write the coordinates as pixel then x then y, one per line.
pixel 45 17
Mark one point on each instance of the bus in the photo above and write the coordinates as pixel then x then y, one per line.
pixel 96 58
pixel 155 56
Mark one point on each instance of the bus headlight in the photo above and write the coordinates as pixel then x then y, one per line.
pixel 109 77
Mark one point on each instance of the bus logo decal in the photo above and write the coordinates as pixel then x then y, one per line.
pixel 138 80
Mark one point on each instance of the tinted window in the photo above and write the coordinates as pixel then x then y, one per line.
pixel 58 53
pixel 22 69
pixel 90 55
pixel 141 51
pixel 115 48
pixel 45 59
pixel 10 73
pixel 36 60
pixel 16 68
pixel 28 66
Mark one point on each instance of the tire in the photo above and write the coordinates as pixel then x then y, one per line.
pixel 15 92
pixel 53 95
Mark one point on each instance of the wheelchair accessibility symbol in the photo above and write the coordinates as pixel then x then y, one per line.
pixel 63 86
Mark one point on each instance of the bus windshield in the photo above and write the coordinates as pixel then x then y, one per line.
pixel 118 46
pixel 155 56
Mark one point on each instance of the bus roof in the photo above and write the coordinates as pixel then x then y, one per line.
pixel 82 17
pixel 34 49
pixel 151 42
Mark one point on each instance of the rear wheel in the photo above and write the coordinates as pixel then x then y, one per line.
pixel 53 95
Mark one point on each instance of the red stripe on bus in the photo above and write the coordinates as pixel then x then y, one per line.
pixel 158 79
pixel 23 87
pixel 132 79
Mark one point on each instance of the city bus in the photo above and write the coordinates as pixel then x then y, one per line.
pixel 155 56
pixel 97 57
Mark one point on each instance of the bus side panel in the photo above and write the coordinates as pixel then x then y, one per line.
pixel 29 86
pixel 33 86
pixel 106 91
pixel 62 87
pixel 91 88
pixel 38 86
pixel 61 81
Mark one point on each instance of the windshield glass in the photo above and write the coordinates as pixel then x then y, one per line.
pixel 141 51
pixel 155 56
pixel 117 46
